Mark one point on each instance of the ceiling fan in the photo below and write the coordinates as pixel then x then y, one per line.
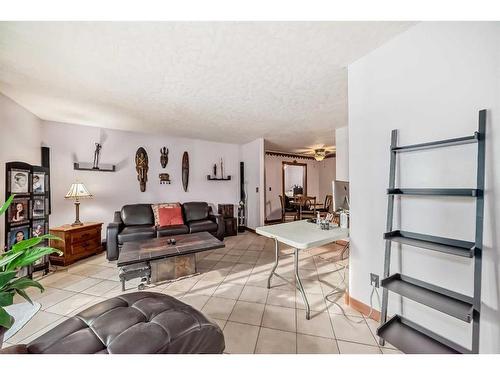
pixel 319 152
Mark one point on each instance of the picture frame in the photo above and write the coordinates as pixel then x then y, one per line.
pixel 38 228
pixel 19 211
pixel 18 234
pixel 38 182
pixel 19 181
pixel 38 207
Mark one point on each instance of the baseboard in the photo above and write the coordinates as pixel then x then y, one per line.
pixel 273 221
pixel 361 307
pixel 248 229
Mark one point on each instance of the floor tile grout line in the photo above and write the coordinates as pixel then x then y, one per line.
pixel 329 315
pixel 212 295
pixel 260 261
pixel 38 330
pixel 229 316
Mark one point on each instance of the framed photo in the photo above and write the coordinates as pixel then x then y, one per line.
pixel 19 211
pixel 38 179
pixel 19 181
pixel 38 207
pixel 39 228
pixel 18 234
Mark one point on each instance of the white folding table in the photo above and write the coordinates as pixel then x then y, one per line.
pixel 300 235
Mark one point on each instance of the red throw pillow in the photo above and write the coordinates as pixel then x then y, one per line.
pixel 170 216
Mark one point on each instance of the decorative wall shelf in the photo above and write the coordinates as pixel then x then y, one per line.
pixel 210 178
pixel 90 167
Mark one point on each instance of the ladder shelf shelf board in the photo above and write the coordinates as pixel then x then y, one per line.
pixel 437 144
pixel 453 192
pixel 405 335
pixel 444 300
pixel 411 338
pixel 440 244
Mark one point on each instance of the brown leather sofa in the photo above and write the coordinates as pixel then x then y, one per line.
pixel 134 323
pixel 135 222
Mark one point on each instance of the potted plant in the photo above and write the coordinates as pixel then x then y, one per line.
pixel 21 254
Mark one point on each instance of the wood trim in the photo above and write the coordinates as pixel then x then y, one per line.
pixel 297 156
pixel 361 307
pixel 283 163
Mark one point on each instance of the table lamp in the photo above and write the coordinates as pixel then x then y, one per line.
pixel 77 191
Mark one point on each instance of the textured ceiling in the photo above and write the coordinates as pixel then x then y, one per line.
pixel 222 81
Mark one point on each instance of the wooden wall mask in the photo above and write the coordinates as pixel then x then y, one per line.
pixel 164 157
pixel 142 166
pixel 185 170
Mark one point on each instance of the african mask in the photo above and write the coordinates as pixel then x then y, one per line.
pixel 164 157
pixel 141 166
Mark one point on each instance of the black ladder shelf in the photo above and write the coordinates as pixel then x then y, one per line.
pixel 404 334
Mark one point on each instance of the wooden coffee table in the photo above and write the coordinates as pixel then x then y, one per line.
pixel 166 261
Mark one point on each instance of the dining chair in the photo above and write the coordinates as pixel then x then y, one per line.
pixel 287 211
pixel 326 206
pixel 307 207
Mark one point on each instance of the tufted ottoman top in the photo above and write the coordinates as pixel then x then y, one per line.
pixel 140 322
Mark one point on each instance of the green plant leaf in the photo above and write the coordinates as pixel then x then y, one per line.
pixel 23 283
pixel 7 258
pixel 30 256
pixel 6 298
pixel 6 204
pixel 5 277
pixel 23 294
pixel 26 244
pixel 5 319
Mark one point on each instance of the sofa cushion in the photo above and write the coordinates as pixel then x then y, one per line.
pixel 170 216
pixel 139 322
pixel 137 214
pixel 136 233
pixel 155 207
pixel 202 226
pixel 172 230
pixel 195 211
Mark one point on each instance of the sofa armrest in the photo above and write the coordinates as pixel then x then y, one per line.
pixel 112 231
pixel 219 220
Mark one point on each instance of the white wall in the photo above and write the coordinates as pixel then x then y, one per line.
pixel 326 174
pixel 429 83
pixel 319 181
pixel 342 153
pixel 69 143
pixel 20 140
pixel 252 154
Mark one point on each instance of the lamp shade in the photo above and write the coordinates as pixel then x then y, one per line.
pixel 77 191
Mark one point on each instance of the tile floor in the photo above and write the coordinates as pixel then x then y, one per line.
pixel 231 290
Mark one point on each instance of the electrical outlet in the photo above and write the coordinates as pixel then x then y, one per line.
pixel 374 280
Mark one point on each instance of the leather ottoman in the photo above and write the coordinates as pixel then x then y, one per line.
pixel 140 322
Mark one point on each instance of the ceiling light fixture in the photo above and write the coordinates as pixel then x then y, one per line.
pixel 319 154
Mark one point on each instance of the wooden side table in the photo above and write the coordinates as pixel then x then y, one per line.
pixel 78 242
pixel 230 226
